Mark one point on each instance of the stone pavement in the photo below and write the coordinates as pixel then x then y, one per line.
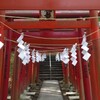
pixel 50 91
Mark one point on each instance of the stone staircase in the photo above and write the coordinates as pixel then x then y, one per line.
pixel 50 73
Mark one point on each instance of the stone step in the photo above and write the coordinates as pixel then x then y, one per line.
pixel 50 91
pixel 70 93
pixel 8 97
pixel 53 64
pixel 48 69
pixel 29 93
pixel 51 79
pixel 52 73
pixel 55 72
pixel 25 97
pixel 50 76
pixel 74 97
pixel 43 70
pixel 61 77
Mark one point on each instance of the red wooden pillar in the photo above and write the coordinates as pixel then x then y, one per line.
pixel 37 75
pixel 86 81
pixel 6 65
pixel 15 81
pixel 95 58
pixel 33 73
pixel 93 71
pixel 21 78
pixel 67 73
pixel 79 76
pixel 29 72
pixel 85 71
pixel 75 72
pixel 74 75
pixel 24 76
pixel 36 69
pixel 1 54
pixel 64 72
pixel 70 72
pixel 37 72
pixel 94 77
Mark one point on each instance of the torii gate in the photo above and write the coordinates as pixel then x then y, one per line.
pixel 91 25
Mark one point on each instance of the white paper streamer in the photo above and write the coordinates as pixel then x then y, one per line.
pixel 38 56
pixel 85 49
pixel 33 56
pixel 1 44
pixel 43 57
pixel 20 38
pixel 74 54
pixel 64 56
pixel 57 57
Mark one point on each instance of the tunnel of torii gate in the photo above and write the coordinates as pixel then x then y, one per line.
pixel 49 27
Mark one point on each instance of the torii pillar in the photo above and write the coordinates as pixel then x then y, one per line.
pixel 85 71
pixel 96 48
pixel 1 54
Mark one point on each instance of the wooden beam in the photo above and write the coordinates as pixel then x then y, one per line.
pixel 49 4
pixel 48 24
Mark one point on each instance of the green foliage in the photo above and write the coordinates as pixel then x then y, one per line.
pixel 99 19
pixel 11 63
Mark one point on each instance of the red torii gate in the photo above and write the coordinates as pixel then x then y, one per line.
pixel 49 5
pixel 58 5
